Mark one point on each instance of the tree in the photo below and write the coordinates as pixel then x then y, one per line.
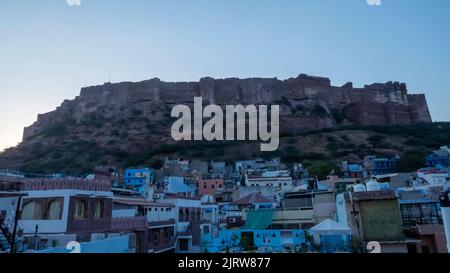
pixel 321 169
pixel 156 163
pixel 411 161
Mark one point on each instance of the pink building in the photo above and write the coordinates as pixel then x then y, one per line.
pixel 209 186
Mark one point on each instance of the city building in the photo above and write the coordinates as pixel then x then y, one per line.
pixel 178 185
pixel 373 216
pixel 254 201
pixel 260 241
pixel 439 157
pixel 331 236
pixel 433 176
pixel 352 170
pixel 140 180
pixel 188 219
pixel 375 166
pixel 422 219
pixel 280 180
pixel 209 186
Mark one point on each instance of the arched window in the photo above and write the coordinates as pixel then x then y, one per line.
pixel 54 210
pixel 80 210
pixel 31 210
pixel 98 209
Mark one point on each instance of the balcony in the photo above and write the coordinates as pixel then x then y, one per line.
pixel 294 216
pixel 170 222
pixel 129 223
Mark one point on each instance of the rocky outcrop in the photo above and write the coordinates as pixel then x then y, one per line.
pixel 129 123
pixel 307 102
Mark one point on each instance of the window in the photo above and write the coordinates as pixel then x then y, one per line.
pixel 187 215
pixel 31 210
pixel 98 209
pixel 155 237
pixel 181 215
pixel 80 210
pixel 54 210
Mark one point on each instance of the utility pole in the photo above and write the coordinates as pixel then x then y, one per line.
pixel 36 243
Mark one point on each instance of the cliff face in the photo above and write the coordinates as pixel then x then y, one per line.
pixel 131 117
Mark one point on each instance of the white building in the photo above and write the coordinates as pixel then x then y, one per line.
pixel 280 180
pixel 433 177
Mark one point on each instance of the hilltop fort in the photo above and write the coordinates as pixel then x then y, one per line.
pixel 110 122
pixel 307 102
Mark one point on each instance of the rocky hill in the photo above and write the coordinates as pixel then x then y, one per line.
pixel 129 123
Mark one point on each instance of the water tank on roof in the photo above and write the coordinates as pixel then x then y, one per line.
pixel 359 188
pixel 373 185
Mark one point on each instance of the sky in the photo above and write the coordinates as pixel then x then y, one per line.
pixel 49 49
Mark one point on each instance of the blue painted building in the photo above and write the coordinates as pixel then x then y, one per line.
pixel 178 184
pixel 352 170
pixel 439 158
pixel 378 166
pixel 331 236
pixel 262 241
pixel 139 179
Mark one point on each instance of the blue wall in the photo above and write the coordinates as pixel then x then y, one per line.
pixel 261 238
pixel 137 178
pixel 111 245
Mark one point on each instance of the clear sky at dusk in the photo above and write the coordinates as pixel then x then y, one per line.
pixel 49 49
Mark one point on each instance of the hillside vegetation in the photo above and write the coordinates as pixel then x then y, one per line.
pixel 318 150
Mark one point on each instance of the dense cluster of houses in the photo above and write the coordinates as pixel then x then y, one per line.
pixel 263 206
